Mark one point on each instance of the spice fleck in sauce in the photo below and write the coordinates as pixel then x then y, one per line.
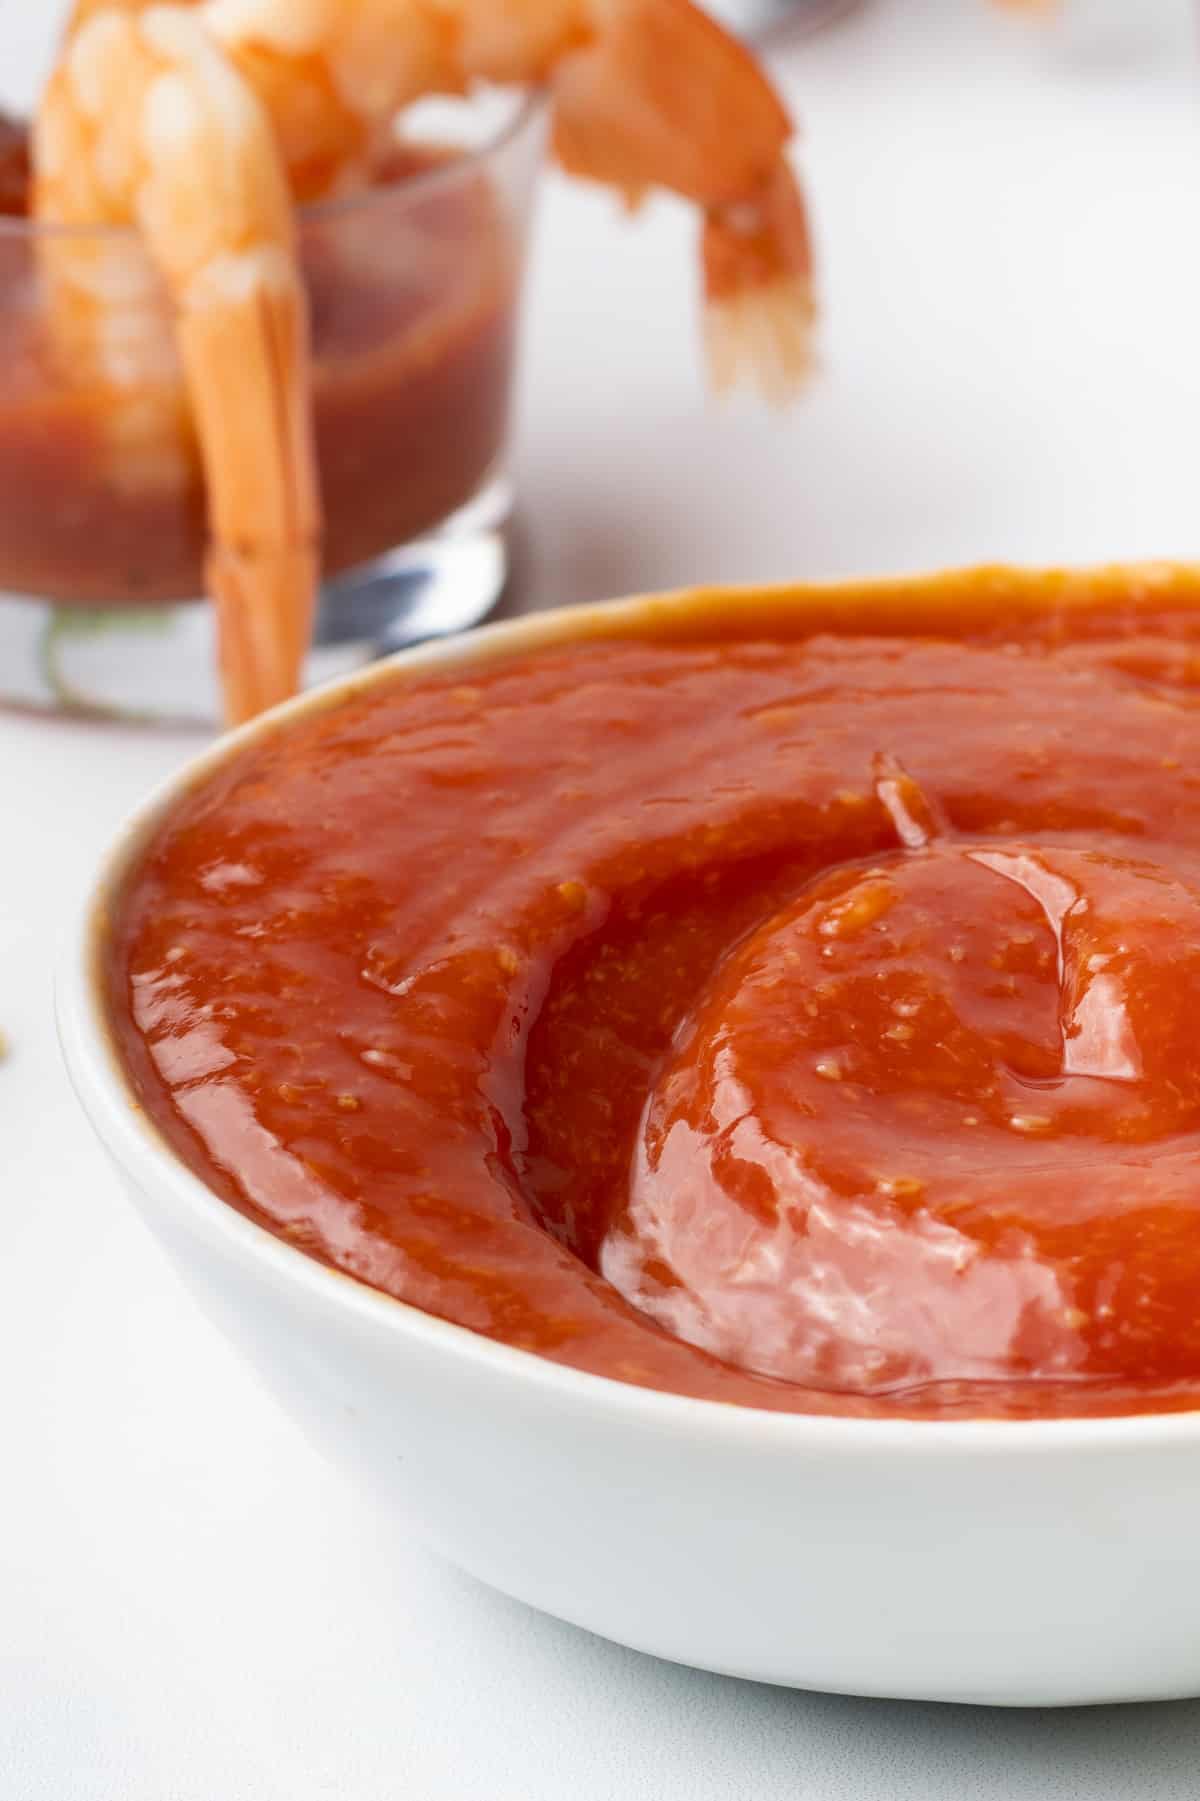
pixel 801 1021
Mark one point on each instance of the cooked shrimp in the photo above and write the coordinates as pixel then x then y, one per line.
pixel 145 123
pixel 644 92
pixel 82 10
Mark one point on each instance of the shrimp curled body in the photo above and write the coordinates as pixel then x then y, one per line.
pixel 644 93
pixel 145 122
pixel 203 123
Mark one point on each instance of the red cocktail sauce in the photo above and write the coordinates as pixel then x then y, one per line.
pixel 793 1003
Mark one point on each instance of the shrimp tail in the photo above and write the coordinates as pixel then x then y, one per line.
pixel 251 593
pixel 243 331
pixel 758 287
pixel 663 96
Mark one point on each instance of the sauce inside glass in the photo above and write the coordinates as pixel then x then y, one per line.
pixel 789 1006
pixel 412 292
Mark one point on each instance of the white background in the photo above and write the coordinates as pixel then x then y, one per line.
pixel 192 1607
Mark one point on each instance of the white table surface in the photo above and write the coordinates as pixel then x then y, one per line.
pixel 192 1606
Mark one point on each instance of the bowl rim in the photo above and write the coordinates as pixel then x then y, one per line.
pixel 102 1087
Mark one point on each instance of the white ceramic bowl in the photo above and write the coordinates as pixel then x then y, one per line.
pixel 1041 1562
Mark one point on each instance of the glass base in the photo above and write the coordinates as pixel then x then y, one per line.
pixel 156 665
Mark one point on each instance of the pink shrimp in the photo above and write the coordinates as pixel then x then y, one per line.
pixel 190 121
pixel 145 123
pixel 644 92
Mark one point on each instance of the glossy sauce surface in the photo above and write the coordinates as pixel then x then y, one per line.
pixel 800 1021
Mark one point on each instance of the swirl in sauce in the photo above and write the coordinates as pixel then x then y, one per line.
pixel 802 1022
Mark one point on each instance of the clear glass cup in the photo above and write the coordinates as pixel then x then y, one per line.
pixel 414 289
